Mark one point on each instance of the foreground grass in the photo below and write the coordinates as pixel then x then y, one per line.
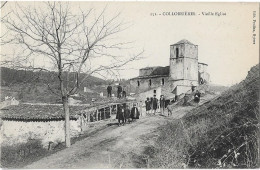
pixel 21 155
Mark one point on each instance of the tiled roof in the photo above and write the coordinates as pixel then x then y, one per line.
pixel 157 72
pixel 149 76
pixel 161 71
pixel 26 111
pixel 47 112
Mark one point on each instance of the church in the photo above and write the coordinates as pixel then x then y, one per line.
pixel 183 72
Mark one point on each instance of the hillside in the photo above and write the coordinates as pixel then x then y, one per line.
pixel 221 133
pixel 12 76
pixel 34 86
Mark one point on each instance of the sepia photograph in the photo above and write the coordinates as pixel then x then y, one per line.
pixel 129 85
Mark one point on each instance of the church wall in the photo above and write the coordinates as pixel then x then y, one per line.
pixel 190 69
pixel 176 68
pixel 144 84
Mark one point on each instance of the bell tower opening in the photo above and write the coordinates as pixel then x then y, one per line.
pixel 177 52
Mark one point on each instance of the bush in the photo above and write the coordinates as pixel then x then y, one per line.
pixel 18 156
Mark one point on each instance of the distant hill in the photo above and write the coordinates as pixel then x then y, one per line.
pixel 12 76
pixel 34 86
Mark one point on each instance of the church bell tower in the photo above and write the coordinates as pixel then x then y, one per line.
pixel 184 64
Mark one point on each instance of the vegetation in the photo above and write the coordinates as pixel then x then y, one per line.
pixel 222 133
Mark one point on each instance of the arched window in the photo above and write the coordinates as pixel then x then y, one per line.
pixel 177 52
pixel 162 81
pixel 138 83
pixel 150 82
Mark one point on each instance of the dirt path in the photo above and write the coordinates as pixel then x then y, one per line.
pixel 112 147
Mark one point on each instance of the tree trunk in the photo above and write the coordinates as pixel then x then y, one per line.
pixel 67 120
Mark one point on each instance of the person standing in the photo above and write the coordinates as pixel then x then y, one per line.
pixel 147 105
pixel 109 90
pixel 151 104
pixel 162 104
pixel 192 87
pixel 124 94
pixel 120 114
pixel 155 104
pixel 127 114
pixel 119 91
pixel 134 113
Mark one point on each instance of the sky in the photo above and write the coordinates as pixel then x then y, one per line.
pixel 224 42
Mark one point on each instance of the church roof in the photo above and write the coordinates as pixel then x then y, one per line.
pixel 184 41
pixel 161 71
pixel 157 72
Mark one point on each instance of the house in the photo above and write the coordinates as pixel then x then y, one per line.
pixel 46 122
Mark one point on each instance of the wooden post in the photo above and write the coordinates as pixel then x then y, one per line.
pixel 110 111
pixel 104 112
pixel 141 109
pixel 81 122
pixel 88 116
pixel 97 115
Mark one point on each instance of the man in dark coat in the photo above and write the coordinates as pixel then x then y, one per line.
pixel 119 91
pixel 147 105
pixel 135 113
pixel 162 104
pixel 120 114
pixel 151 104
pixel 155 104
pixel 124 94
pixel 127 114
pixel 109 90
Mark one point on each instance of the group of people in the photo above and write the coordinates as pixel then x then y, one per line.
pixel 152 104
pixel 121 93
pixel 125 115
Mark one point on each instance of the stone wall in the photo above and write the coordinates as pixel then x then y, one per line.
pixel 144 84
pixel 16 132
pixel 203 72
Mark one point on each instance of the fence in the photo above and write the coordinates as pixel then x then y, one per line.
pixel 106 111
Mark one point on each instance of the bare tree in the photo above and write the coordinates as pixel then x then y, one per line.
pixel 3 4
pixel 69 42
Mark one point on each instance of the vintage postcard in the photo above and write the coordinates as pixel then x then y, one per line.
pixel 129 85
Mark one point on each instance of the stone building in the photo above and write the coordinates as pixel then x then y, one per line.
pixel 183 72
pixel 46 123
